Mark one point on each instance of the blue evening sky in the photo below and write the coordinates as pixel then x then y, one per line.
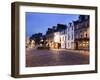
pixel 40 22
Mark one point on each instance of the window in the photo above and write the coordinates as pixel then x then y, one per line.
pixel 86 35
pixel 63 38
pixel 72 27
pixel 76 36
pixel 66 32
pixel 68 36
pixel 77 27
pixel 60 39
pixel 81 36
pixel 68 28
pixel 68 44
pixel 72 35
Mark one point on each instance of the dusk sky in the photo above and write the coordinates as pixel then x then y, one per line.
pixel 40 22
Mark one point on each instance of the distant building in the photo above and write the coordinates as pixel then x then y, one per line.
pixel 27 42
pixel 50 37
pixel 82 32
pixel 32 44
pixel 53 36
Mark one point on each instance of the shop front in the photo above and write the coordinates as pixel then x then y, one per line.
pixel 82 44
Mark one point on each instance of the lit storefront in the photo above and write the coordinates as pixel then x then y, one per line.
pixel 82 44
pixel 82 33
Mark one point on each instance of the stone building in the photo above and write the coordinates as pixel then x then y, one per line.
pixel 67 37
pixel 53 36
pixel 63 39
pixel 50 38
pixel 75 35
pixel 81 32
pixel 70 36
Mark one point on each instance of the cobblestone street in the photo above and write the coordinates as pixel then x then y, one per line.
pixel 55 57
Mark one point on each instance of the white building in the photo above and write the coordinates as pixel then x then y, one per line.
pixel 67 37
pixel 70 36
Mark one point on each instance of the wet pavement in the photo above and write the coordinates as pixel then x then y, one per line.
pixel 35 58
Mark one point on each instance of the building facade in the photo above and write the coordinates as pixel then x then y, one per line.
pixel 82 33
pixel 50 38
pixel 29 43
pixel 75 35
pixel 54 37
pixel 67 37
pixel 63 39
pixel 70 36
